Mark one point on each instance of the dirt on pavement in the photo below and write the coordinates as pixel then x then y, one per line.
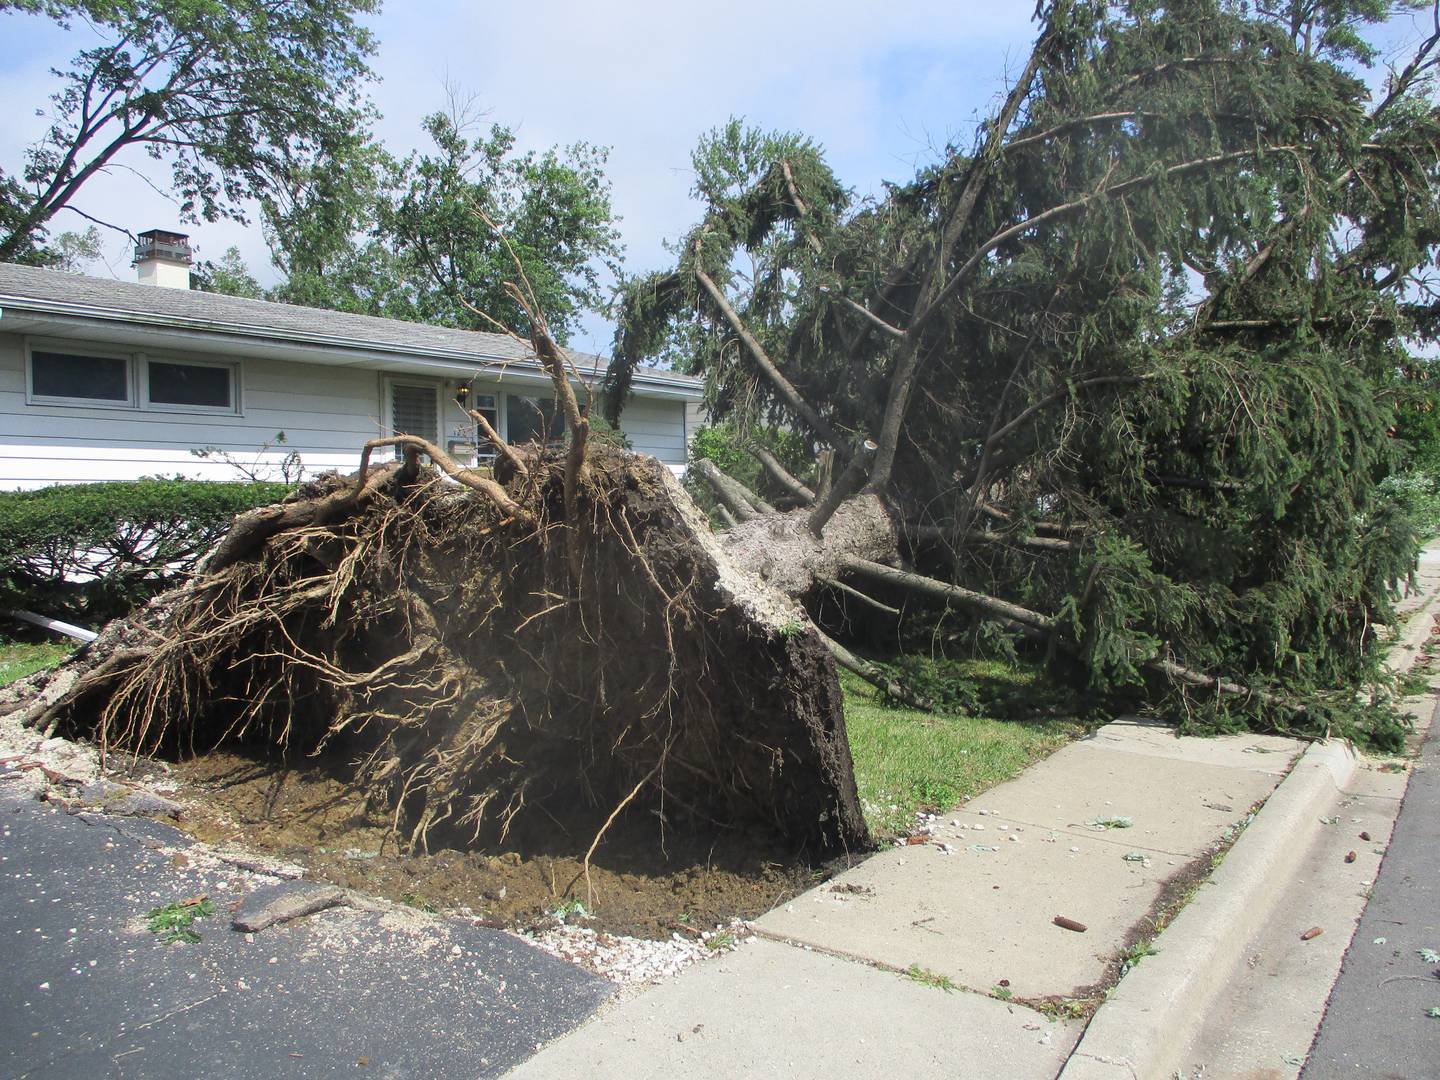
pixel 643 882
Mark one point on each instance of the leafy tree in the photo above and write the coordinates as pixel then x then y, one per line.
pixel 1124 369
pixel 229 276
pixel 71 251
pixel 421 242
pixel 235 96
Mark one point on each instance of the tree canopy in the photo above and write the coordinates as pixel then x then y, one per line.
pixel 1131 359
pixel 431 237
pixel 234 96
pixel 433 251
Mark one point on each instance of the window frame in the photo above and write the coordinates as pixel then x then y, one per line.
pixel 418 382
pixel 137 379
pixel 148 405
pixel 32 346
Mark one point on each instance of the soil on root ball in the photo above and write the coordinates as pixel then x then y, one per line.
pixel 644 881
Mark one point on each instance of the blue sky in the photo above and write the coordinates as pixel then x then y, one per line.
pixel 645 78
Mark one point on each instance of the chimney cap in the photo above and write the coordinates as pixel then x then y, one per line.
pixel 163 244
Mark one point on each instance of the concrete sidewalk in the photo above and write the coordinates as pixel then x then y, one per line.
pixel 824 992
pixel 1236 988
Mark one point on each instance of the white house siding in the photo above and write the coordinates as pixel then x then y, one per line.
pixel 656 427
pixel 326 414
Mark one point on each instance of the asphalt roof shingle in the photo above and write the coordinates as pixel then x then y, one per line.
pixel 101 296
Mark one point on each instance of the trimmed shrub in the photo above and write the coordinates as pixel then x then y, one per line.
pixel 94 552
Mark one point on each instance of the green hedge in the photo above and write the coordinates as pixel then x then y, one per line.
pixel 92 552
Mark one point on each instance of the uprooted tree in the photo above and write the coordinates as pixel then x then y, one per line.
pixel 1117 377
pixel 498 658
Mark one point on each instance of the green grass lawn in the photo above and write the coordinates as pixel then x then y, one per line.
pixel 906 760
pixel 21 658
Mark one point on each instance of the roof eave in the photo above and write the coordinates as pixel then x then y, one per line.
pixel 464 362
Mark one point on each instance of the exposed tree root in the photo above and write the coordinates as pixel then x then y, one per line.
pixel 486 674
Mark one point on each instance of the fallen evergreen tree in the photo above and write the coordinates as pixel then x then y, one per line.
pixel 1119 376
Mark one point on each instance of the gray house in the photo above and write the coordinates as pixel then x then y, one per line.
pixel 108 380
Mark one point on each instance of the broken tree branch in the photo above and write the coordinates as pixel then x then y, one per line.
pixel 986 605
pixel 781 475
pixel 874 675
pixel 864 598
pixel 731 493
pixel 848 483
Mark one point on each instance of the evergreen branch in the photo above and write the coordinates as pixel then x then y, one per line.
pixel 782 385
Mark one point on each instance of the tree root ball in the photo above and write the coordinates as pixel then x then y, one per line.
pixel 481 687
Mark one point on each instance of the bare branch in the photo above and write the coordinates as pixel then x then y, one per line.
pixel 781 474
pixel 503 448
pixel 451 468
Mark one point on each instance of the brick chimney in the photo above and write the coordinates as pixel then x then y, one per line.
pixel 163 258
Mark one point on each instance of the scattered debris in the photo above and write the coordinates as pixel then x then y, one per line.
pixel 1311 934
pixel 282 902
pixel 918 838
pixel 1069 924
pixel 172 922
pixel 1430 956
pixel 853 889
pixel 1364 836
pixel 1380 941
pixel 1137 857
pixel 634 961
pixel 1112 821
pixel 1351 857
pixel 1330 820
pixel 1221 807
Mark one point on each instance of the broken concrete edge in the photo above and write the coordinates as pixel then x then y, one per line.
pixel 1154 1008
pixel 283 902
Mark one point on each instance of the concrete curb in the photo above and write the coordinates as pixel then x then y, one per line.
pixel 1164 999
pixel 1160 1006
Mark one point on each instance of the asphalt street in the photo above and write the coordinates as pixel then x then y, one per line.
pixel 86 990
pixel 1377 1024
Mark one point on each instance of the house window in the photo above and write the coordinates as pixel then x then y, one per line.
pixel 414 410
pixel 488 407
pixel 57 375
pixel 75 378
pixel 533 419
pixel 189 386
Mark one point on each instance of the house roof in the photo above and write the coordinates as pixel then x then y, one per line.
pixel 30 296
